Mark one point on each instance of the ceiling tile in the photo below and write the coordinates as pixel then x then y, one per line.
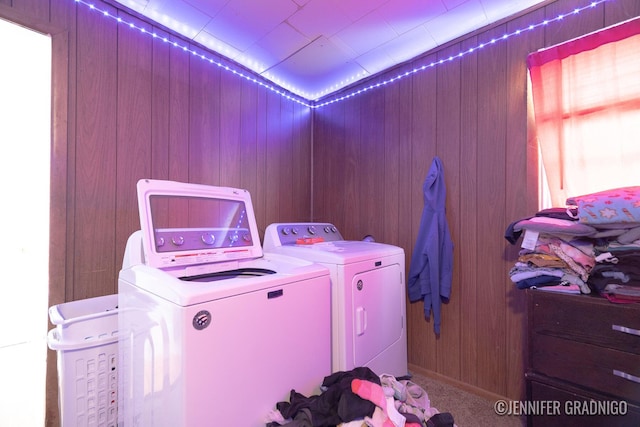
pixel 283 41
pixel 217 45
pixel 316 19
pixel 137 5
pixel 243 22
pixel 178 16
pixel 406 15
pixel 498 9
pixel 367 33
pixel 209 7
pixel 356 9
pixel 470 12
pixel 409 45
pixel 319 65
pixel 452 4
pixel 375 61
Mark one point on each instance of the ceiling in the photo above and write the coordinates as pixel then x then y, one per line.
pixel 315 47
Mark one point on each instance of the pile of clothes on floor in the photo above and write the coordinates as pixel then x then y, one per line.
pixel 359 398
pixel 591 245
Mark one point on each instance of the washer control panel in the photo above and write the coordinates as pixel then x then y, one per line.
pixel 301 233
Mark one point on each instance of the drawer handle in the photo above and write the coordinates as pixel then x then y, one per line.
pixel 626 376
pixel 625 330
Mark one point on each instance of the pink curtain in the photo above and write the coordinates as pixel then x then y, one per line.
pixel 586 96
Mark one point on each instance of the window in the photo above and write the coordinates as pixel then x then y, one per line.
pixel 586 96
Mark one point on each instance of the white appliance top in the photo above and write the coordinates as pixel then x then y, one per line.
pixel 322 242
pixel 199 243
pixel 190 224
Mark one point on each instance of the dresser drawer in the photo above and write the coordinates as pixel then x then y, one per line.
pixel 592 320
pixel 540 389
pixel 587 365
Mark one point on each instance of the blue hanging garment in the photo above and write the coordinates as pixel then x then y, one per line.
pixel 431 268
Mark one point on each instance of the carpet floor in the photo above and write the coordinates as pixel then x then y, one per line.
pixel 468 409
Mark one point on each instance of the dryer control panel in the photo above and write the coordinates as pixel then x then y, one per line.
pixel 301 233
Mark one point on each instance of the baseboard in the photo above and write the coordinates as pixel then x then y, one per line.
pixel 455 383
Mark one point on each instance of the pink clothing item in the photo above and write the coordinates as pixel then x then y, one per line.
pixel 374 393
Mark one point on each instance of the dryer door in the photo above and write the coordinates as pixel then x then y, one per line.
pixel 377 297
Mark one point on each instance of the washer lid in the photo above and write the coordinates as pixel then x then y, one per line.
pixel 188 224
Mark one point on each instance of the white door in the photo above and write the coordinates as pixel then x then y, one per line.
pixel 377 308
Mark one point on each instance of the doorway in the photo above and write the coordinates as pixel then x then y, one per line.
pixel 25 136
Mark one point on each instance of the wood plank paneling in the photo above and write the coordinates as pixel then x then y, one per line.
pixel 248 138
pixel 283 194
pixel 160 107
pixel 422 340
pixel 204 122
pixel 133 132
pixel 520 158
pixel 230 119
pixel 350 165
pixel 620 10
pixel 582 23
pixel 448 145
pixel 371 163
pixel 301 165
pixel 179 114
pixel 273 143
pixel 58 231
pixel 95 156
pixel 405 198
pixel 392 166
pixel 469 229
pixel 491 217
pixel 261 166
pixel 473 114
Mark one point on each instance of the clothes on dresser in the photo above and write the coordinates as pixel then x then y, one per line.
pixel 554 261
pixel 562 289
pixel 617 207
pixel 616 266
pixel 596 245
pixel 512 235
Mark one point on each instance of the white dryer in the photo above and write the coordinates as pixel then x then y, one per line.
pixel 212 331
pixel 367 293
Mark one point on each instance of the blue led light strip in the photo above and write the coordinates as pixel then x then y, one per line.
pixel 461 54
pixel 187 49
pixel 286 95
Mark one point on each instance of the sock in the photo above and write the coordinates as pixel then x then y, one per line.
pixel 373 392
pixel 396 417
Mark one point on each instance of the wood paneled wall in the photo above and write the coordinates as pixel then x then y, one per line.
pixel 127 106
pixel 371 156
pixel 137 107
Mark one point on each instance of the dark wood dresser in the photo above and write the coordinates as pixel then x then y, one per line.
pixel 583 348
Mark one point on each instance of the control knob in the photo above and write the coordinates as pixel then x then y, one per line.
pixel 208 239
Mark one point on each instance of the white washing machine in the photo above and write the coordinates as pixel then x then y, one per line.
pixel 212 331
pixel 367 293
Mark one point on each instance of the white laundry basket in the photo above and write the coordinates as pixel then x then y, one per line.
pixel 86 341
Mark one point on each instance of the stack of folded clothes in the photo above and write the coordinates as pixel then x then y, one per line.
pixel 592 245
